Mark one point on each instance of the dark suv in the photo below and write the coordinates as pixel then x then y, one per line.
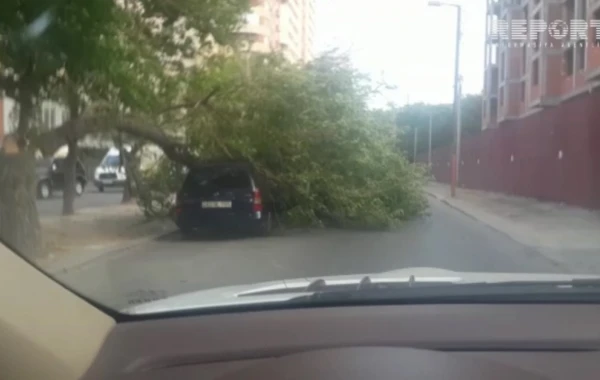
pixel 51 177
pixel 223 197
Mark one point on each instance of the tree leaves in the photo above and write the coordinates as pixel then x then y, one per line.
pixel 328 159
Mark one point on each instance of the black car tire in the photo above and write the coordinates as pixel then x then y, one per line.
pixel 79 187
pixel 100 188
pixel 44 189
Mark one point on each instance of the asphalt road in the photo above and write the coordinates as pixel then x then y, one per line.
pixel 446 239
pixel 91 198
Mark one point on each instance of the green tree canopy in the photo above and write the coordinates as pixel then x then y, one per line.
pixel 328 159
pixel 417 116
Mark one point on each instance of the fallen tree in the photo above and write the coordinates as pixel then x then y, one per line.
pixel 329 160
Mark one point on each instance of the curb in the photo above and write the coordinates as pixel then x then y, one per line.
pixel 79 261
pixel 434 195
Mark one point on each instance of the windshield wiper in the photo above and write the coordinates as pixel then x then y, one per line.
pixel 366 283
pixel 573 291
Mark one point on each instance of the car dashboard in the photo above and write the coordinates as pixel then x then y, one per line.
pixel 383 342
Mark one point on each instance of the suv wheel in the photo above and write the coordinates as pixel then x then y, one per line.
pixel 44 190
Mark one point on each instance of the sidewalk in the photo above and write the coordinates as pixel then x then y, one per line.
pixel 74 240
pixel 567 235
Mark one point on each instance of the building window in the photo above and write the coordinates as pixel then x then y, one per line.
pixel 535 72
pixel 583 9
pixel 494 110
pixel 252 19
pixel 580 50
pixel 595 30
pixel 538 35
pixel 524 59
pixel 568 61
pixel 502 67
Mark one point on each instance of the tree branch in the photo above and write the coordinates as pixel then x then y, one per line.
pixel 51 140
pixel 202 102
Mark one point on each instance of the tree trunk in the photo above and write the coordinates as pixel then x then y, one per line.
pixel 19 220
pixel 25 113
pixel 123 164
pixel 70 165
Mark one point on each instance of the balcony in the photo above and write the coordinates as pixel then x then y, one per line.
pixel 253 24
pixel 491 79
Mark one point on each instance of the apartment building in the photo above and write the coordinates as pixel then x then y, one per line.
pixel 49 115
pixel 548 68
pixel 282 25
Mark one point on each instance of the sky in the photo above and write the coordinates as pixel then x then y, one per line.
pixel 407 44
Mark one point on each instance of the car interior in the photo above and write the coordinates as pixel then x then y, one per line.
pixel 49 332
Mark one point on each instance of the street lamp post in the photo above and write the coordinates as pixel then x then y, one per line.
pixel 415 144
pixel 429 143
pixel 457 95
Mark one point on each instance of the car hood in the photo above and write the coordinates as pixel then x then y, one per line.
pixel 284 290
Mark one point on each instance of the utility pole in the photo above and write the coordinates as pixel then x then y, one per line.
pixel 457 100
pixel 455 160
pixel 415 145
pixel 429 145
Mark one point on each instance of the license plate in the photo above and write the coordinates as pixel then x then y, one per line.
pixel 107 182
pixel 216 204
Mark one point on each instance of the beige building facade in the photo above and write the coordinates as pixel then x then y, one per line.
pixel 287 26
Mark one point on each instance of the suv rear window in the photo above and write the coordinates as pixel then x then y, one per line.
pixel 200 182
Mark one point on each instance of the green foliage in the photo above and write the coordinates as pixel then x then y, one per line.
pixel 42 37
pixel 417 116
pixel 326 158
pixel 160 182
pixel 128 53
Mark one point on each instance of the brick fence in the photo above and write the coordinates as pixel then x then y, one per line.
pixel 552 155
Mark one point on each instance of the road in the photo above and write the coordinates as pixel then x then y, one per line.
pixel 446 239
pixel 91 198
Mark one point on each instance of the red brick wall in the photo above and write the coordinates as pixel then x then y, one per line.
pixel 572 128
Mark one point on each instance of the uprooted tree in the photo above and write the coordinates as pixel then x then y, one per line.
pixel 329 160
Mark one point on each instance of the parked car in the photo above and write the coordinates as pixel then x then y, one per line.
pixel 110 172
pixel 51 177
pixel 225 197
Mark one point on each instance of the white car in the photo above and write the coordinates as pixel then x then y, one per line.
pixel 110 172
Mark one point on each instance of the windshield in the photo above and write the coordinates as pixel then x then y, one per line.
pixel 299 151
pixel 112 161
